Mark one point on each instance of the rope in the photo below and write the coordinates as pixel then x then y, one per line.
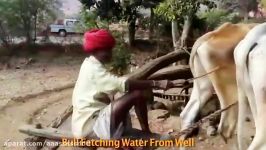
pixel 185 50
pixel 213 70
pixel 201 121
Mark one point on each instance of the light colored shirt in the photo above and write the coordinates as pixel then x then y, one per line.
pixel 93 78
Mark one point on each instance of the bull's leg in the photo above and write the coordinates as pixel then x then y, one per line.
pixel 259 142
pixel 244 94
pixel 228 120
pixel 243 107
pixel 257 74
pixel 224 83
pixel 201 93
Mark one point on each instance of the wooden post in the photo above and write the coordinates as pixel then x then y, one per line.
pixel 186 91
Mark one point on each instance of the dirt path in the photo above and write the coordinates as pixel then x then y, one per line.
pixel 43 75
pixel 40 77
pixel 41 109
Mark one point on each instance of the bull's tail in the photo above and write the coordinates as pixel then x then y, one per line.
pixel 194 50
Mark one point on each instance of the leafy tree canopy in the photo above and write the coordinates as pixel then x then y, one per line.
pixel 110 9
pixel 177 9
pixel 18 17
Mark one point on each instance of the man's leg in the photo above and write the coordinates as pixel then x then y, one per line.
pixel 121 107
pixel 142 114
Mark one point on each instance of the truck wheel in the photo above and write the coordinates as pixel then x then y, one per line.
pixel 62 33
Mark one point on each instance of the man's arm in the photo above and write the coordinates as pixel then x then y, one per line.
pixel 110 82
pixel 147 84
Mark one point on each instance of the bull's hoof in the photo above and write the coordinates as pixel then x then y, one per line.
pixel 226 132
pixel 211 131
pixel 223 137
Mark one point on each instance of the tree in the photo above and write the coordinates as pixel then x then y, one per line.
pixel 21 17
pixel 130 14
pixel 166 10
pixel 241 6
pixel 228 5
pixel 246 6
pixel 120 10
pixel 151 4
pixel 4 37
pixel 180 11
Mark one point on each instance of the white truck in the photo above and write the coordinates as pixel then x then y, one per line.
pixel 68 26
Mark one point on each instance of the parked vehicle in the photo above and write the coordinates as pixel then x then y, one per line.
pixel 68 26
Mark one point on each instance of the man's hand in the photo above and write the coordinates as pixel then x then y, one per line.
pixel 164 84
pixel 102 97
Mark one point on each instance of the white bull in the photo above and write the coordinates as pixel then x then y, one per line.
pixel 250 58
pixel 212 50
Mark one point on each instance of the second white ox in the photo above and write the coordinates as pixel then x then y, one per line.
pixel 250 58
pixel 212 50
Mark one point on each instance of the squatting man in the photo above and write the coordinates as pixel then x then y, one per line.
pixel 94 113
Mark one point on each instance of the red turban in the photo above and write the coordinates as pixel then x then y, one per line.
pixel 98 39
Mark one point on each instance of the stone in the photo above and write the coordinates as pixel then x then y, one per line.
pixel 158 114
pixel 158 105
pixel 207 141
pixel 164 116
pixel 201 138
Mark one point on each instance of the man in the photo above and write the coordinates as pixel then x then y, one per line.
pixel 93 111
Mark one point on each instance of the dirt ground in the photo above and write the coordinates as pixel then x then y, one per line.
pixel 15 110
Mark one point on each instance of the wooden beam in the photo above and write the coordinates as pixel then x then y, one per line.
pixel 54 124
pixel 57 134
pixel 50 133
pixel 154 65
pixel 172 73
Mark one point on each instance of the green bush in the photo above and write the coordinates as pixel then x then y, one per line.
pixel 216 17
pixel 121 56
